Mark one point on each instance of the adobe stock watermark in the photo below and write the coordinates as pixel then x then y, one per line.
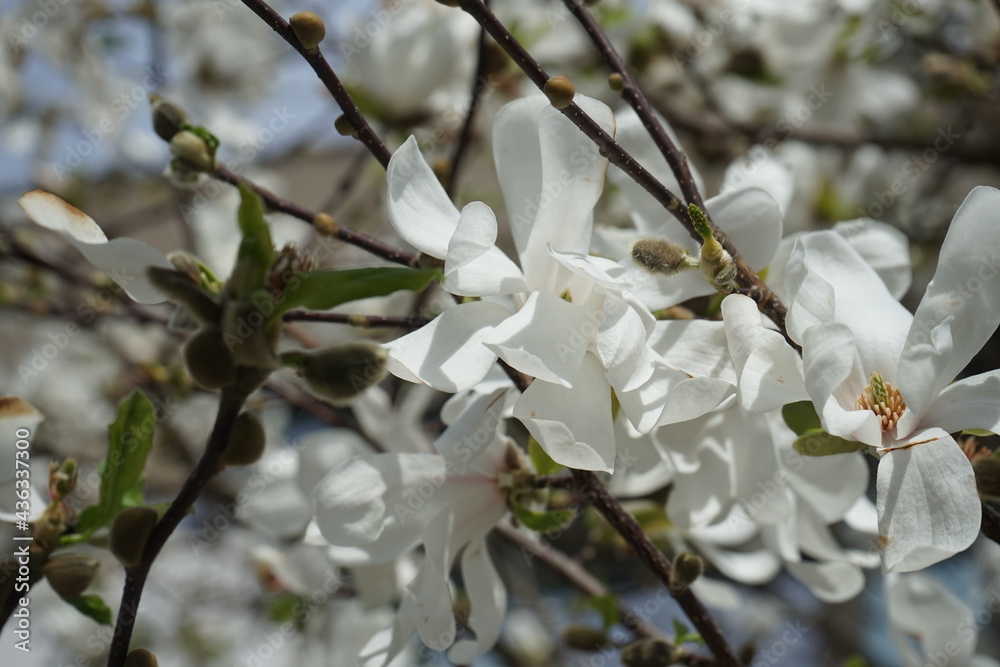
pixel 120 108
pixel 36 18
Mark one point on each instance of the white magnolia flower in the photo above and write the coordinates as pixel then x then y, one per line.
pixel 562 317
pixel 125 260
pixel 376 508
pixel 880 376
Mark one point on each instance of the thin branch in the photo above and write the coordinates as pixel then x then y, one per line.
pixel 749 283
pixel 345 234
pixel 465 137
pixel 990 526
pixel 636 99
pixel 626 526
pixel 365 321
pixel 318 62
pixel 208 467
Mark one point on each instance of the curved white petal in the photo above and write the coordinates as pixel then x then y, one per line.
pixel 928 505
pixel 125 260
pixel 448 353
pixel 15 415
pixel 468 437
pixel 962 287
pixel 747 567
pixel 973 402
pixel 830 582
pixel 761 170
pixel 546 338
pixel 474 266
pixel 621 345
pixel 418 207
pixel 885 248
pixel 834 379
pixel 573 425
pixel 752 220
pixel 690 398
pixel 699 499
pixel 696 347
pixel 917 607
pixel 487 601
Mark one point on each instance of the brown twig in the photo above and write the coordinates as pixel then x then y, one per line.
pixel 208 467
pixel 626 526
pixel 345 234
pixel 365 321
pixel 465 136
pixel 365 134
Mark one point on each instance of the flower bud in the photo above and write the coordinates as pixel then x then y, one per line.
pixel 616 82
pixel 560 91
pixel 309 29
pixel 70 574
pixel 180 288
pixel 687 568
pixel 987 470
pixel 648 653
pixel 246 441
pixel 129 533
pixel 192 151
pixel 344 127
pixel 661 256
pixel 141 657
pixel 247 334
pixel 208 360
pixel 325 224
pixel 341 372
pixel 584 637
pixel 167 117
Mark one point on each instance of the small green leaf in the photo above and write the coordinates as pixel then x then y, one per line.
pixel 544 465
pixel 256 253
pixel 820 443
pixel 801 417
pixel 130 438
pixel 856 661
pixel 210 139
pixel 321 290
pixel 683 634
pixel 93 607
pixel 607 606
pixel 282 608
pixel 978 432
pixel 544 522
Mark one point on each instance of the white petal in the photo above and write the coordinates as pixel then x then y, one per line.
pixel 487 601
pixel 355 502
pixel 546 339
pixel 691 398
pixel 448 353
pixel 517 156
pixel 961 287
pixel 760 169
pixel 572 425
pixel 474 266
pixel 417 205
pixel 970 403
pixel 769 370
pixel 927 502
pixel 752 220
pixel 923 372
pixel 834 282
pixel 696 347
pixel 885 248
pixel 834 380
pixel 621 345
pixel 752 568
pixel 830 582
pixel 469 436
pixel 125 260
pixel 704 497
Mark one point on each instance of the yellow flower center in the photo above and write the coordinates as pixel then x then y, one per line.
pixel 884 400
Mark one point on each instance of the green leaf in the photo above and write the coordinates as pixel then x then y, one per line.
pixel 683 634
pixel 544 522
pixel 282 608
pixel 130 437
pixel 607 606
pixel 801 417
pixel 820 443
pixel 856 661
pixel 978 432
pixel 256 253
pixel 93 607
pixel 544 465
pixel 321 290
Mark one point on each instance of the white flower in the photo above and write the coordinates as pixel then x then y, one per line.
pixel 125 260
pixel 564 317
pixel 375 508
pixel 880 376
